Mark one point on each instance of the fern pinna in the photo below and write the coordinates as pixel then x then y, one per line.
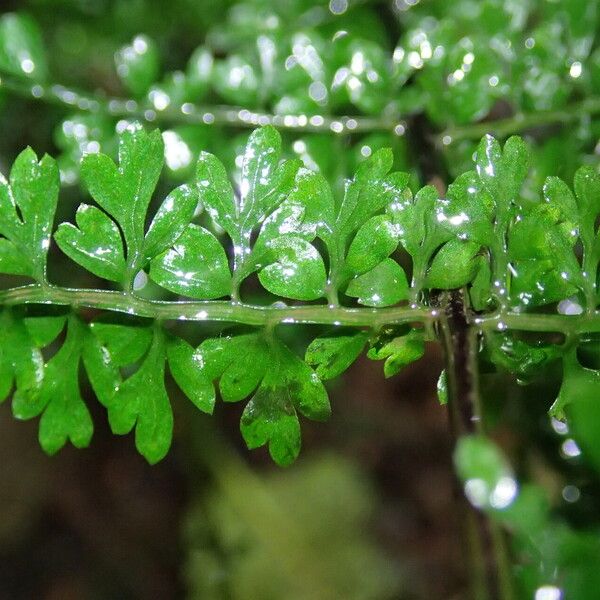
pixel 366 261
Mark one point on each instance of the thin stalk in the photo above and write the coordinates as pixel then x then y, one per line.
pixel 491 577
pixel 250 314
pixel 227 311
pixel 520 122
pixel 189 113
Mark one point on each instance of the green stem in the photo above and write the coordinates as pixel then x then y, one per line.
pixel 236 312
pixel 188 113
pixel 226 311
pixel 520 122
pixel 237 116
pixel 420 262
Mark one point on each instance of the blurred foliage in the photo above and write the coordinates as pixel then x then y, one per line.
pixel 344 79
pixel 284 535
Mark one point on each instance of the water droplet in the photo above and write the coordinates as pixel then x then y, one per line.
pixel 476 491
pixel 560 427
pixel 317 91
pixel 504 493
pixel 570 449
pixel 571 493
pixel 338 7
pixel 279 304
pixel 575 70
pixel 569 307
pixel 27 65
pixel 400 129
pixel 140 280
pixel 548 592
pixel 177 153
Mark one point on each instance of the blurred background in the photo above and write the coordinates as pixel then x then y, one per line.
pixel 368 512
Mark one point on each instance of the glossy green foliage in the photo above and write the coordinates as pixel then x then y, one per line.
pixel 490 485
pixel 56 394
pixel 323 224
pixel 124 192
pixel 305 241
pixel 27 206
pixel 305 66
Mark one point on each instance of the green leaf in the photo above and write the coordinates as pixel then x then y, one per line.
pixel 215 192
pixel 289 385
pixel 525 360
pixel 270 418
pixel 264 184
pixel 124 192
pixel 481 285
pixel 583 410
pixel 545 268
pixel 12 260
pixel 240 362
pixel 539 282
pixel 587 190
pixel 126 344
pixel 170 221
pixel 538 235
pixel 366 193
pixel 141 401
pixel 373 243
pixel 579 386
pixel 468 210
pixel 196 266
pixel 454 265
pixel 138 64
pixel 486 474
pixel 331 354
pixel 27 207
pixel 21 362
pixel 313 193
pixel 398 351
pixel 95 243
pixel 370 191
pixel 186 366
pixel 502 170
pixel 44 330
pixel 22 51
pixel 297 272
pixel 236 80
pixel 419 230
pixel 384 285
pixel 199 72
pixel 108 347
pixel 560 200
pixel 65 415
pixel 245 372
pixel 103 374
